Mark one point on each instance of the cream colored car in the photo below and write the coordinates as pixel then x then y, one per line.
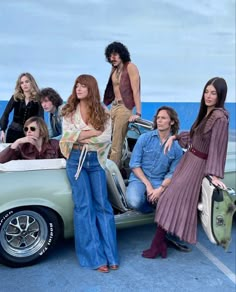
pixel 36 207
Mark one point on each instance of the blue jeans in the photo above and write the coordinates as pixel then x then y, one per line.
pixel 137 198
pixel 94 224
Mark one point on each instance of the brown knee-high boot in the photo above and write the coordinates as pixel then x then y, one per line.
pixel 158 246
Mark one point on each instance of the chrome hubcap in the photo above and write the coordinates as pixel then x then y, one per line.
pixel 23 233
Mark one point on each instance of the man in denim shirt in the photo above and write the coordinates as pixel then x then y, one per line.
pixel 52 103
pixel 152 169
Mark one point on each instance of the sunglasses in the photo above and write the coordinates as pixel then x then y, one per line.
pixel 32 129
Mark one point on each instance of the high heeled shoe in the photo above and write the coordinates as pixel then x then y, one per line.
pixel 153 253
pixel 158 246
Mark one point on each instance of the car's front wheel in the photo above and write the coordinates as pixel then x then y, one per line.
pixel 27 235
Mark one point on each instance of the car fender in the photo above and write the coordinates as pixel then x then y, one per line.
pixel 47 187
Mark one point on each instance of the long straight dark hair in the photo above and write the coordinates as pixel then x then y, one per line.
pixel 221 90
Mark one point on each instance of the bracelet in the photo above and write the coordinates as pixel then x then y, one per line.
pixel 138 114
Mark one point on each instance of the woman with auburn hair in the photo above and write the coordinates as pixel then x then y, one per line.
pixel 35 144
pixel 25 103
pixel 176 211
pixel 85 143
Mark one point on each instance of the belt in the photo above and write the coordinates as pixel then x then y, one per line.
pixel 16 126
pixel 198 153
pixel 117 101
pixel 77 146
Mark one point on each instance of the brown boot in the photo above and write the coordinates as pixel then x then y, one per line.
pixel 158 246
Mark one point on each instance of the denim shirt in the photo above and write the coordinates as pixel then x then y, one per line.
pixel 55 125
pixel 148 154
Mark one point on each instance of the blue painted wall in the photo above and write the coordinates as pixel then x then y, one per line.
pixel 187 111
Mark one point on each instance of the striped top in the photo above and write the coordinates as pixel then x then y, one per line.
pixel 210 137
pixel 176 210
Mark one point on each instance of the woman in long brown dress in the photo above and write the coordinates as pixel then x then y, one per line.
pixel 176 211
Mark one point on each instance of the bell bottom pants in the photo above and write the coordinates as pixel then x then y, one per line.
pixel 94 224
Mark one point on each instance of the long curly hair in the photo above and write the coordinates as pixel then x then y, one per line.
pixel 19 94
pixel 96 112
pixel 118 48
pixel 221 90
pixel 173 117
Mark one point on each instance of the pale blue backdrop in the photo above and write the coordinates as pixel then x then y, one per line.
pixel 177 46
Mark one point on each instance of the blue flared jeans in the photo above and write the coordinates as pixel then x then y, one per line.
pixel 94 224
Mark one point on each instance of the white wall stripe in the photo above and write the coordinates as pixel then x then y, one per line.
pixel 228 273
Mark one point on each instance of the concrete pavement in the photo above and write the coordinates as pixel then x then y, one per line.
pixel 206 268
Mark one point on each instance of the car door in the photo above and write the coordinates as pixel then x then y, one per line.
pixel 217 207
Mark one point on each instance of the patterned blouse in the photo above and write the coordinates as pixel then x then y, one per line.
pixel 71 128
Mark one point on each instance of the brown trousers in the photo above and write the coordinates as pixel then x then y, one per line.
pixel 120 115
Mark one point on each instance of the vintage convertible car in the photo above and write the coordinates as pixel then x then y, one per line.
pixel 36 207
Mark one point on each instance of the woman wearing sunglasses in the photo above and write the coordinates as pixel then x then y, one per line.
pixel 35 144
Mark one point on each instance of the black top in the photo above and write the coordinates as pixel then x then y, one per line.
pixel 22 112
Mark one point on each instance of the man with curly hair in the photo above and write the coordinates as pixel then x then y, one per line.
pixel 123 92
pixel 52 103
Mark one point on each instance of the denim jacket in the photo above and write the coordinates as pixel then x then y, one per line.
pixel 148 154
pixel 55 124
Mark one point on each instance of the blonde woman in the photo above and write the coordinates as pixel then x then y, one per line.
pixel 85 143
pixel 25 104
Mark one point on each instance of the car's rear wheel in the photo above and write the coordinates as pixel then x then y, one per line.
pixel 27 235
